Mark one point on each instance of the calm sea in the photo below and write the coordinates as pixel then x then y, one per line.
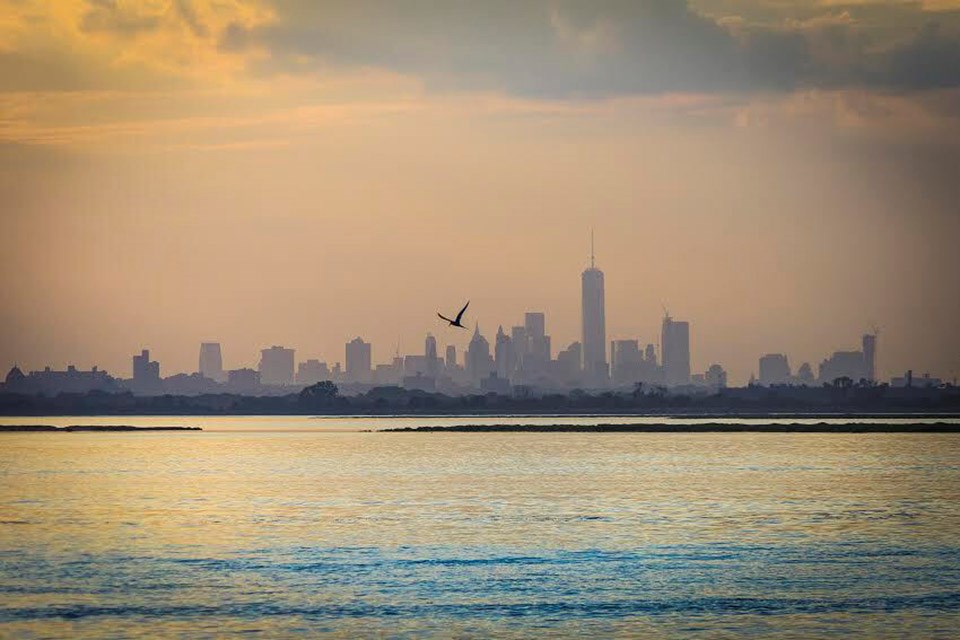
pixel 292 527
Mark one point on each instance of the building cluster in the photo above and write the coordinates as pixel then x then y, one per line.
pixel 520 360
pixel 842 367
pixel 855 366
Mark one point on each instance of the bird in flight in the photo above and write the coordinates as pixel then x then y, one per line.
pixel 456 323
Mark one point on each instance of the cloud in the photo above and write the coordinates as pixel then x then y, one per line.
pixel 188 13
pixel 544 49
pixel 931 59
pixel 122 18
pixel 118 44
pixel 131 68
pixel 565 48
pixel 536 48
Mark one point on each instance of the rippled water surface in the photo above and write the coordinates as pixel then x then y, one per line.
pixel 287 533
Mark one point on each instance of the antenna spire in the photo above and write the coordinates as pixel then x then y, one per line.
pixel 591 250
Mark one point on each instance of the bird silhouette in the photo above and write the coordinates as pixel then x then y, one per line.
pixel 456 323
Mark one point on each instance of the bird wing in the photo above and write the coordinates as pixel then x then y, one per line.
pixel 444 317
pixel 460 315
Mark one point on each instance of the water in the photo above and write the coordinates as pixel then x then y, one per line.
pixel 293 533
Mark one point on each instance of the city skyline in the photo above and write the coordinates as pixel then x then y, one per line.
pixel 738 351
pixel 515 358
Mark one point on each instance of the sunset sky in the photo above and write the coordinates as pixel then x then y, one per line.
pixel 784 174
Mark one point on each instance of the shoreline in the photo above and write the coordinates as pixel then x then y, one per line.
pixel 822 427
pixel 48 428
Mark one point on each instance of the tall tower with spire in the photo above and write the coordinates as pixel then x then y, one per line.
pixel 594 322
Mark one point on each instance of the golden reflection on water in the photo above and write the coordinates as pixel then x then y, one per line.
pixel 150 498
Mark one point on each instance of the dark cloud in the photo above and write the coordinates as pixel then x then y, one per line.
pixel 931 59
pixel 566 48
pixel 117 17
pixel 131 19
pixel 539 47
pixel 189 15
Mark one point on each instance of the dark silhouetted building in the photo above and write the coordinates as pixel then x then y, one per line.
pixel 430 356
pixel 14 377
pixel 495 384
pixel 211 361
pixel 856 365
pixel 629 365
pixel 869 343
pixel 189 384
pixel 244 381
pixel 533 364
pixel 568 364
pixel 675 347
pixel 451 359
pixel 389 374
pixel 420 382
pixel 146 374
pixel 145 371
pixel 843 364
pixel 312 371
pixel 521 347
pixel 626 361
pixel 774 369
pixel 651 354
pixel 921 382
pixel 716 377
pixel 51 382
pixel 478 362
pixel 504 355
pixel 276 366
pixel 416 365
pixel 358 359
pixel 594 324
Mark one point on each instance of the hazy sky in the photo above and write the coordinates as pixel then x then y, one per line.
pixel 782 174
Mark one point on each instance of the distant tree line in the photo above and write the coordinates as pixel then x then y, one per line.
pixel 324 398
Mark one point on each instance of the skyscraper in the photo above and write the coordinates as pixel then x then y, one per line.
pixel 211 361
pixel 675 350
pixel 568 364
pixel 478 361
pixel 521 347
pixel 870 355
pixel 430 355
pixel 716 377
pixel 145 371
pixel 535 323
pixel 312 371
pixel 504 356
pixel 774 369
pixel 626 361
pixel 276 365
pixel 594 323
pixel 451 359
pixel 358 359
pixel 538 342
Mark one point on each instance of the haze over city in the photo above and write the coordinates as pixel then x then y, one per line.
pixel 480 318
pixel 300 173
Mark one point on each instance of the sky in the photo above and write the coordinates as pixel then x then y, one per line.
pixel 783 174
